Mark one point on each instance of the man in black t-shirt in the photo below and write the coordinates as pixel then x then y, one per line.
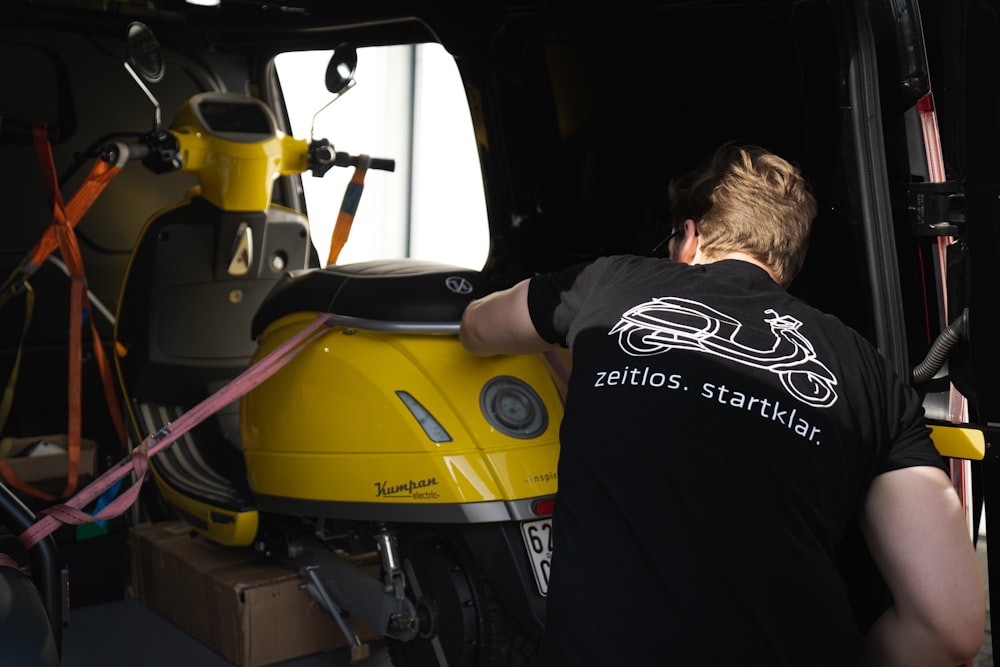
pixel 719 437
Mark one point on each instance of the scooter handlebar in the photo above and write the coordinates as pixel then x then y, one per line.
pixel 118 152
pixel 158 150
pixel 347 160
pixel 322 157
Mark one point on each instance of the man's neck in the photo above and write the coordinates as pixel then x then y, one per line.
pixel 701 258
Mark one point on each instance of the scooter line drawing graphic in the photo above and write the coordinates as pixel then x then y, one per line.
pixel 664 323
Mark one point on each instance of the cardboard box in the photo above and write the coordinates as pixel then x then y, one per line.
pixel 48 471
pixel 250 610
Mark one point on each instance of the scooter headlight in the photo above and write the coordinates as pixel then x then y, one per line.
pixel 512 407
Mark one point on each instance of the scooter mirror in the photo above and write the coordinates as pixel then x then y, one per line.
pixel 340 71
pixel 339 76
pixel 144 62
pixel 143 52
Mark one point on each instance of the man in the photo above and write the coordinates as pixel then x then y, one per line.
pixel 719 438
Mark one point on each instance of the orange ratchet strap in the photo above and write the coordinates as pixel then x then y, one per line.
pixel 348 207
pixel 60 234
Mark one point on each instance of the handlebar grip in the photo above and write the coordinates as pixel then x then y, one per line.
pixel 348 160
pixel 385 164
pixel 138 151
pixel 119 151
pixel 323 157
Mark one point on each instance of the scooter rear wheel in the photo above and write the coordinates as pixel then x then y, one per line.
pixel 461 623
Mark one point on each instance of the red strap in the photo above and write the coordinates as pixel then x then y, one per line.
pixel 100 175
pixel 60 234
pixel 71 513
pixel 110 396
pixel 75 379
pixel 348 207
pixel 15 482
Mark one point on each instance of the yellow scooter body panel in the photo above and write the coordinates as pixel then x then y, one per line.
pixel 236 169
pixel 332 425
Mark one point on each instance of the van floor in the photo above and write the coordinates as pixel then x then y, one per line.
pixel 126 633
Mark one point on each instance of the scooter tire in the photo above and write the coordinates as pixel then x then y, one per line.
pixel 461 622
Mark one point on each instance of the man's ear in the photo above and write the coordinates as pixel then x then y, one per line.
pixel 689 244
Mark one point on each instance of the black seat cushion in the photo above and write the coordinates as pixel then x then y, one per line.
pixel 398 290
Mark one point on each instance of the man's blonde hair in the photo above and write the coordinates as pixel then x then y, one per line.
pixel 749 200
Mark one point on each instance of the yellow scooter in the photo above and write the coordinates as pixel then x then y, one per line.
pixel 383 435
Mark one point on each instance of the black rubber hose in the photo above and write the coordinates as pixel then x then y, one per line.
pixel 953 334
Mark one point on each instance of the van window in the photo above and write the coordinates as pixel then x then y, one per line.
pixel 409 104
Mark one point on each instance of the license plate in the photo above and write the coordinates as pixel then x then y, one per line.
pixel 538 543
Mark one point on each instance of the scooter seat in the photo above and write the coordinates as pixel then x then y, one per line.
pixel 398 290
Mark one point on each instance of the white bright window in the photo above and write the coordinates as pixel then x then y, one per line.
pixel 409 105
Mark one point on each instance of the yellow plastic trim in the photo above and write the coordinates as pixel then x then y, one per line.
pixel 231 529
pixel 959 442
pixel 236 176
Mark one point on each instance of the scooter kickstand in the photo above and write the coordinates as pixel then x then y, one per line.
pixel 359 650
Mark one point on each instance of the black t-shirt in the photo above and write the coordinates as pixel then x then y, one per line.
pixel 718 438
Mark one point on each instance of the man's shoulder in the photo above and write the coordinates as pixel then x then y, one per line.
pixel 636 264
pixel 607 268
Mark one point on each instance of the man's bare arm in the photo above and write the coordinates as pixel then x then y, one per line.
pixel 500 324
pixel 916 530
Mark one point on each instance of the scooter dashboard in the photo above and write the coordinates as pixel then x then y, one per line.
pixel 233 117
